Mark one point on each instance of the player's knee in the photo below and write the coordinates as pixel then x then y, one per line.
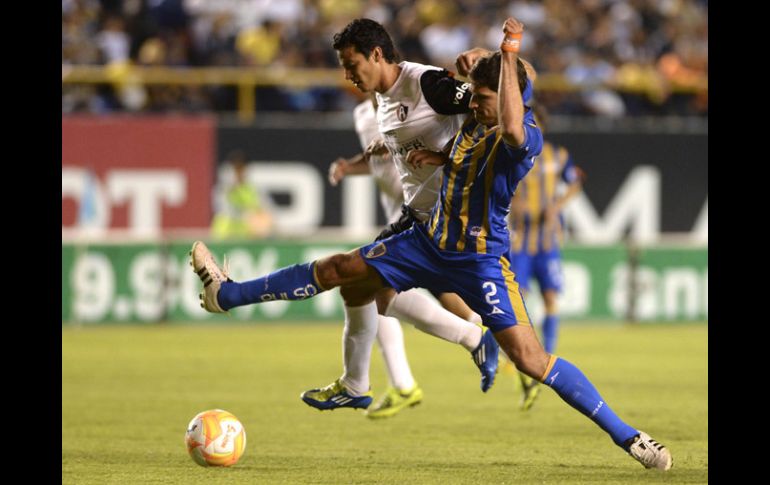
pixel 329 270
pixel 354 296
pixel 529 359
pixel 339 269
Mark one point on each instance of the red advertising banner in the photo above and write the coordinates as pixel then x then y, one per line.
pixel 144 174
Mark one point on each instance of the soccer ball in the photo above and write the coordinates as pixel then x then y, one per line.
pixel 215 438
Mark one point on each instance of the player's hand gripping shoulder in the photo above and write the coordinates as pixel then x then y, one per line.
pixel 418 158
pixel 467 59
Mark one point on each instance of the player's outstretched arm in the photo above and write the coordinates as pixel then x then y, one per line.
pixel 342 167
pixel 510 104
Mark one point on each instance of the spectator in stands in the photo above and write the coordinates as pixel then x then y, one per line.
pixel 657 50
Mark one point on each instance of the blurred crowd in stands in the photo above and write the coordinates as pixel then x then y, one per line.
pixel 632 57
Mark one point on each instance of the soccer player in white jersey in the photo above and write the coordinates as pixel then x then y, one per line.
pixel 419 107
pixel 403 390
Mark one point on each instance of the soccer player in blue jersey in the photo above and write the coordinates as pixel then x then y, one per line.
pixel 403 390
pixel 417 106
pixel 538 224
pixel 462 248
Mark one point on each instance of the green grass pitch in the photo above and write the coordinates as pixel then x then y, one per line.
pixel 129 392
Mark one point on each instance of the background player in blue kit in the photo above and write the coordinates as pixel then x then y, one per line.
pixel 537 221
pixel 462 248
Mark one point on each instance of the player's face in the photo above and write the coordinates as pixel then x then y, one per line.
pixel 360 70
pixel 483 103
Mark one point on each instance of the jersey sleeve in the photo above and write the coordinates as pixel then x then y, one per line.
pixel 532 146
pixel 445 94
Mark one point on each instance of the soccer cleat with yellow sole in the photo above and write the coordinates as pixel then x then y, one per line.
pixel 531 389
pixel 334 396
pixel 393 401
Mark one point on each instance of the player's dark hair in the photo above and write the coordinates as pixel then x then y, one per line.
pixel 486 72
pixel 364 35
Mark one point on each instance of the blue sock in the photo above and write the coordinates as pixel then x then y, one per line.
pixel 295 282
pixel 575 388
pixel 550 332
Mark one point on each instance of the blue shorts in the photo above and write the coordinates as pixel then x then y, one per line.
pixel 545 267
pixel 484 281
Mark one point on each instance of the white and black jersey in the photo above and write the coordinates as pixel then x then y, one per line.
pixel 423 109
pixel 383 170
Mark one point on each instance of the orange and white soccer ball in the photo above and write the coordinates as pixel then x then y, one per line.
pixel 215 438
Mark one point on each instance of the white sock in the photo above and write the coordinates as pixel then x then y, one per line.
pixel 357 339
pixel 390 336
pixel 430 317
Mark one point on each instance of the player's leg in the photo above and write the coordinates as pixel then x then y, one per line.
pixel 547 271
pixel 403 390
pixel 430 317
pixel 352 388
pixel 495 288
pixel 551 320
pixel 549 276
pixel 522 266
pixel 390 339
pixel 296 282
pixel 427 315
pixel 453 303
pixel 569 382
pixel 361 322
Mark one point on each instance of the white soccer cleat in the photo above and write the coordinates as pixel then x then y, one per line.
pixel 650 453
pixel 210 274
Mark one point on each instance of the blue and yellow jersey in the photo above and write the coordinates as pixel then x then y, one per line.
pixel 479 180
pixel 538 190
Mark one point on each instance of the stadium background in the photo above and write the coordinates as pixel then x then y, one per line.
pixel 156 93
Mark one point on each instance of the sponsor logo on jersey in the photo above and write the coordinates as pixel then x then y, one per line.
pixel 407 146
pixel 402 111
pixel 475 231
pixel 376 251
pixel 460 92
